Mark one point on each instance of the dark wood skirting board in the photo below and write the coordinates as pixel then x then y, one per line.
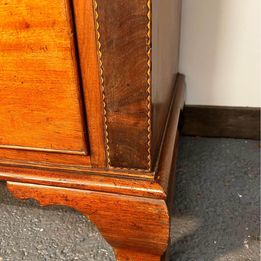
pixel 220 121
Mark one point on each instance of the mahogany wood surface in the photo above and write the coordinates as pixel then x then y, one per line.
pixel 124 42
pixel 169 146
pixel 104 181
pixel 105 177
pixel 86 43
pixel 87 47
pixel 86 118
pixel 40 104
pixel 45 159
pixel 138 225
pixel 113 88
pixel 123 254
pixel 41 109
pixel 132 214
pixel 165 56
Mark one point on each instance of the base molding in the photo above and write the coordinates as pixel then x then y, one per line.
pixel 133 226
pixel 220 121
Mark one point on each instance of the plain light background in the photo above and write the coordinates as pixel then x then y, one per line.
pixel 221 52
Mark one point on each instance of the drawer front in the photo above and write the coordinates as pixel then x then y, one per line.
pixel 40 97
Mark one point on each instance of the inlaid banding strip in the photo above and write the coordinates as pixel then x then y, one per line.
pixel 149 83
pixel 99 52
pixel 148 88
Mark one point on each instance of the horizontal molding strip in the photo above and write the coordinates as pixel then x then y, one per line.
pixel 17 147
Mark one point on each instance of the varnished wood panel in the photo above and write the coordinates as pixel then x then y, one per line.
pixel 87 47
pixel 165 55
pixel 135 227
pixel 169 146
pixel 40 106
pixel 123 254
pixel 27 157
pixel 94 180
pixel 123 38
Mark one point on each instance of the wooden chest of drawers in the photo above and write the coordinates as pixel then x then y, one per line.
pixel 90 103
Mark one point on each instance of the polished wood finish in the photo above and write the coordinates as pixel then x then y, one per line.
pixel 134 140
pixel 92 120
pixel 40 101
pixel 45 159
pixel 136 224
pixel 165 57
pixel 220 121
pixel 123 254
pixel 41 106
pixel 124 43
pixel 169 146
pixel 104 181
pixel 132 214
pixel 86 39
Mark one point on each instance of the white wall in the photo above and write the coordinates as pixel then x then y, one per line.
pixel 221 52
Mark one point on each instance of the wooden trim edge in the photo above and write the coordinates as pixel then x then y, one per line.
pixel 169 146
pixel 88 62
pixel 93 181
pixel 133 226
pixel 148 89
pixel 222 121
pixel 17 147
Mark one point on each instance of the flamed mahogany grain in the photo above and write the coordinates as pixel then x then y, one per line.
pixel 123 27
pixel 40 106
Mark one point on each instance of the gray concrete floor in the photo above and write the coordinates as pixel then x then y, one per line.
pixel 215 216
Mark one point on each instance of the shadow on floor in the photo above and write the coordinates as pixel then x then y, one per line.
pixel 217 204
